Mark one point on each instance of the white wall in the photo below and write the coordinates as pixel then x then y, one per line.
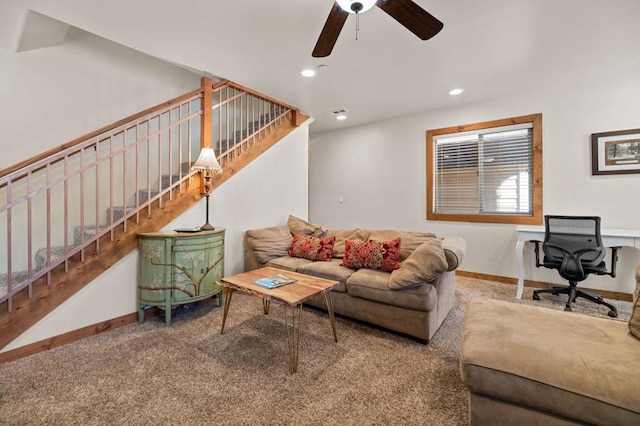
pixel 380 171
pixel 262 194
pixel 52 95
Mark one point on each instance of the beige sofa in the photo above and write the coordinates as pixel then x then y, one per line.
pixel 530 365
pixel 413 300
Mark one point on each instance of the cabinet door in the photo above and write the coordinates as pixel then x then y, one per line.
pixel 154 270
pixel 197 265
pixel 215 269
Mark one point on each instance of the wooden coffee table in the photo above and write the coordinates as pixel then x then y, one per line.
pixel 291 295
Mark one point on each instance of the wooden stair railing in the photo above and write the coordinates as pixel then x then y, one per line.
pixel 149 155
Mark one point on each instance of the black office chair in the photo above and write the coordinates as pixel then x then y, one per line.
pixel 573 246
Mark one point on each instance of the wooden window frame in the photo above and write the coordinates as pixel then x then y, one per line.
pixel 536 179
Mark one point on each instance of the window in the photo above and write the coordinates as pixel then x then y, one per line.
pixel 486 172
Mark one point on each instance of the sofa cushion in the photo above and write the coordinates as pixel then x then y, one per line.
pixel 312 248
pixel 373 254
pixel 342 235
pixel 568 364
pixel 301 226
pixel 269 243
pixel 410 240
pixel 634 321
pixel 289 263
pixel 373 285
pixel 425 263
pixel 329 270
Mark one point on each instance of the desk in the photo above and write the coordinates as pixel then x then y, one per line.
pixel 610 238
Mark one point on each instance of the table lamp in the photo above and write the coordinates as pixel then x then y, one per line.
pixel 207 163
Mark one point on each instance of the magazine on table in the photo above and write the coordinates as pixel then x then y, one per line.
pixel 274 281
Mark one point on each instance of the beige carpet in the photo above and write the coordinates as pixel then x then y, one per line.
pixel 189 374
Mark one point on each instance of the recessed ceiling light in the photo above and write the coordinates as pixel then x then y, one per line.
pixel 312 72
pixel 455 92
pixel 308 72
pixel 340 114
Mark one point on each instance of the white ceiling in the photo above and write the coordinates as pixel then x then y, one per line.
pixel 492 48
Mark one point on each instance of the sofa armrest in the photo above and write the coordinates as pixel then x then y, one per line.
pixel 250 260
pixel 454 250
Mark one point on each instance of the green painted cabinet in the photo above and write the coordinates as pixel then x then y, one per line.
pixel 177 268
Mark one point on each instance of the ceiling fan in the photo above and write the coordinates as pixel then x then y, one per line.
pixel 406 12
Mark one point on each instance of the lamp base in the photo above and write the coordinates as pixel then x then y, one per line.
pixel 207 227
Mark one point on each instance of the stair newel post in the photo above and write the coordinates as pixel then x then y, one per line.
pixel 207 162
pixel 206 126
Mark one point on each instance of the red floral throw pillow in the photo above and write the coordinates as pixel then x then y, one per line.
pixel 312 248
pixel 372 254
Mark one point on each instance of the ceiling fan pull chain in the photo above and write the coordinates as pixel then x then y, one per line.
pixel 357 24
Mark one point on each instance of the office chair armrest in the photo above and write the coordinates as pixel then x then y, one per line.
pixel 614 261
pixel 537 251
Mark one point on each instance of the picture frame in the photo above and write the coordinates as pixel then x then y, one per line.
pixel 614 153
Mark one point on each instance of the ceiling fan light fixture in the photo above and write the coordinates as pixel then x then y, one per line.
pixel 357 6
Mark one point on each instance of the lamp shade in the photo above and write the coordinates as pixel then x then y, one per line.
pixel 359 7
pixel 207 162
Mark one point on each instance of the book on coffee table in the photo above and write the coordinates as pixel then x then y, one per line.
pixel 274 281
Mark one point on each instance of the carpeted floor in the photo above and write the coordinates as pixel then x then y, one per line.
pixel 189 374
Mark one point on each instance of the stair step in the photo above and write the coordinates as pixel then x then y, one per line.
pixel 143 195
pixel 118 213
pixel 240 135
pixel 41 256
pixel 166 182
pixel 17 278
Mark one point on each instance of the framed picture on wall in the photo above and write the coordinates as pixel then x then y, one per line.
pixel 615 152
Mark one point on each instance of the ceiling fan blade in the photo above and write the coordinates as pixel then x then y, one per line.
pixel 330 32
pixel 413 17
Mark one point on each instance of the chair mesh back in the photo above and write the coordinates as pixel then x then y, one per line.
pixel 574 233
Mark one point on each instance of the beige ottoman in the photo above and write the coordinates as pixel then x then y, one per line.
pixel 530 365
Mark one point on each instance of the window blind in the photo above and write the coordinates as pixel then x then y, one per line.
pixel 484 172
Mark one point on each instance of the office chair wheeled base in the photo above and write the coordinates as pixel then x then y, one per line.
pixel 573 294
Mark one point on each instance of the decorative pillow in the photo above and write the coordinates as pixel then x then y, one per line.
pixel 411 240
pixel 269 243
pixel 425 263
pixel 343 235
pixel 312 248
pixel 372 254
pixel 634 321
pixel 300 226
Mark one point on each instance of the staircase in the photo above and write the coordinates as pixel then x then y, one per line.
pixel 70 213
